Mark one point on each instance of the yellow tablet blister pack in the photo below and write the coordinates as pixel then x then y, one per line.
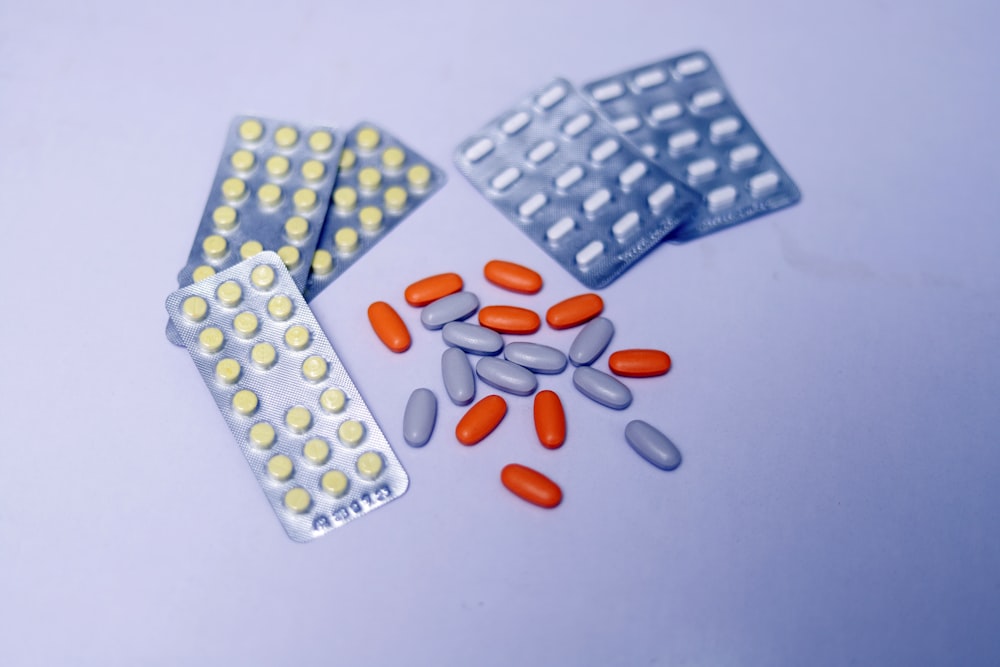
pixel 311 442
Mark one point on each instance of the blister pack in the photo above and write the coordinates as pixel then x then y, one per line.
pixel 680 113
pixel 564 175
pixel 380 182
pixel 310 440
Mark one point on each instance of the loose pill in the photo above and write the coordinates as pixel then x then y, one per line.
pixel 602 388
pixel 432 288
pixel 574 311
pixel 459 379
pixel 513 277
pixel 531 485
pixel 639 363
pixel 535 357
pixel 509 319
pixel 592 340
pixel 506 376
pixel 550 419
pixel 480 420
pixel 419 417
pixel 451 308
pixel 389 326
pixel 472 338
pixel 652 445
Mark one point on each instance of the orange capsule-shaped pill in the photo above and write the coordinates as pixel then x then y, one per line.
pixel 574 310
pixel 432 288
pixel 550 420
pixel 481 419
pixel 389 327
pixel 510 319
pixel 639 363
pixel 531 485
pixel 513 277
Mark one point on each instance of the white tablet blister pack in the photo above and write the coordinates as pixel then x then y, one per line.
pixel 380 182
pixel 564 175
pixel 310 440
pixel 679 113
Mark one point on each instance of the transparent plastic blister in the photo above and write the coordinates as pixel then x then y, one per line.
pixel 563 174
pixel 319 455
pixel 680 113
pixel 380 182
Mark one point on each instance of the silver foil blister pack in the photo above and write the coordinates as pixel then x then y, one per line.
pixel 319 455
pixel 680 113
pixel 565 176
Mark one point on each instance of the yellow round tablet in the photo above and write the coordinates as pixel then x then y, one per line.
pixel 224 218
pixel 251 248
pixel 297 337
pixel 370 218
pixel 233 189
pixel 317 451
pixel 296 228
pixel 245 324
pixel 395 198
pixel 298 419
pixel 369 178
pixel 314 368
pixel 229 293
pixel 262 435
pixel 345 198
pixel 214 246
pixel 322 263
pixel 320 141
pixel 290 255
pixel 269 194
pixel 393 158
pixel 277 165
pixel 351 432
pixel 202 272
pixel 332 400
pixel 304 199
pixel 245 402
pixel 298 500
pixel 280 307
pixel 227 371
pixel 286 136
pixel 418 176
pixel 347 159
pixel 210 340
pixel 313 170
pixel 346 239
pixel 262 277
pixel 367 138
pixel 250 130
pixel 194 308
pixel 242 160
pixel 335 483
pixel 280 467
pixel 369 465
pixel 263 355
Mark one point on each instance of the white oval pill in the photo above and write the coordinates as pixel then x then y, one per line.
pixel 552 96
pixel 652 445
pixel 690 65
pixel 569 177
pixel 723 127
pixel 419 417
pixel 515 123
pixel 743 156
pixel 479 150
pixel 577 124
pixel 459 380
pixel 596 201
pixel 682 141
pixel 720 198
pixel 661 113
pixel 604 150
pixel 602 388
pixel 447 309
pixel 589 252
pixel 592 340
pixel 531 205
pixel 706 98
pixel 543 150
pixel 560 228
pixel 632 173
pixel 608 91
pixel 763 183
pixel 472 338
pixel 627 124
pixel 506 376
pixel 625 225
pixel 702 169
pixel 535 357
pixel 661 196
pixel 505 178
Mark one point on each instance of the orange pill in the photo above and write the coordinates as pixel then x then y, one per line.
pixel 550 420
pixel 389 326
pixel 531 485
pixel 513 277
pixel 432 288
pixel 639 363
pixel 574 310
pixel 510 319
pixel 481 419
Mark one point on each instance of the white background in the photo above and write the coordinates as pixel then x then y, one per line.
pixel 834 392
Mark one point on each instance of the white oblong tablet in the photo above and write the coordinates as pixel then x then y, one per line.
pixel 649 150
pixel 447 309
pixel 661 196
pixel 682 141
pixel 515 123
pixel 589 253
pixel 459 380
pixel 592 340
pixel 601 388
pixel 690 66
pixel 552 96
pixel 419 417
pixel 763 183
pixel 661 113
pixel 627 124
pixel 604 150
pixel 632 173
pixel 596 201
pixel 702 169
pixel 577 124
pixel 608 91
pixel 531 205
pixel 505 178
pixel 542 151
pixel 649 443
pixel 535 357
pixel 560 228
pixel 506 376
pixel 650 78
pixel 720 198
pixel 706 99
pixel 479 150
pixel 743 156
pixel 625 225
pixel 472 338
pixel 724 127
pixel 569 177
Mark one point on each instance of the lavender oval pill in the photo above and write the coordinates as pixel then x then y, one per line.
pixel 419 417
pixel 506 376
pixel 472 338
pixel 652 445
pixel 459 380
pixel 536 357
pixel 602 388
pixel 592 340
pixel 447 309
